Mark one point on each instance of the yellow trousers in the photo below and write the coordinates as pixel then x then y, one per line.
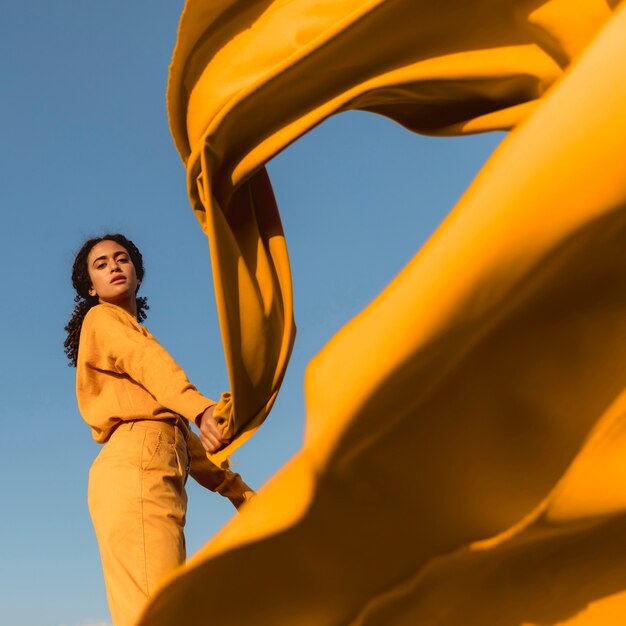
pixel 138 504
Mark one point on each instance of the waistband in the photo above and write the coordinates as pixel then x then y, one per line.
pixel 164 425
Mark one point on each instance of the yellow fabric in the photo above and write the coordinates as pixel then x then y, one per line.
pixel 138 505
pixel 246 80
pixel 464 459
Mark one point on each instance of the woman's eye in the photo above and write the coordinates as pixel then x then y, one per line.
pixel 100 266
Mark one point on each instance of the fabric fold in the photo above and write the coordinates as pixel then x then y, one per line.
pixel 463 445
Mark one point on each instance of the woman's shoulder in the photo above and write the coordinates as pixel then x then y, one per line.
pixel 109 330
pixel 108 314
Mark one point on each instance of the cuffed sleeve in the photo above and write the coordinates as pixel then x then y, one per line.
pixel 223 481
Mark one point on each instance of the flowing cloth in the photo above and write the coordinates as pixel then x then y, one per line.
pixel 465 452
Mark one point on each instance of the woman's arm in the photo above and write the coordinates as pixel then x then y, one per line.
pixel 223 481
pixel 114 342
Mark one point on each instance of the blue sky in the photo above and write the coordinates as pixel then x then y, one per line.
pixel 86 149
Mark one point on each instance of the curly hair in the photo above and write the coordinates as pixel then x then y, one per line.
pixel 82 283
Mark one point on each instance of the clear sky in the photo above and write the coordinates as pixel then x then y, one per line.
pixel 86 149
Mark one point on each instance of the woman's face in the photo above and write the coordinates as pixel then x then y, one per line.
pixel 112 273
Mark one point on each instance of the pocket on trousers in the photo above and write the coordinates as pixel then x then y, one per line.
pixel 182 460
pixel 152 443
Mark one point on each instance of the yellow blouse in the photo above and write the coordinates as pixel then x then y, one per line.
pixel 123 374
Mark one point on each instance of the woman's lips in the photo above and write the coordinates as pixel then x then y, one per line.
pixel 118 279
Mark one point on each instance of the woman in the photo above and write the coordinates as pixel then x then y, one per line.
pixel 138 402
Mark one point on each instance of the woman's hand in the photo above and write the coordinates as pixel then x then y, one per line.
pixel 210 435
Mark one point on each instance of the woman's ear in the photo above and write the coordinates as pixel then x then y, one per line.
pixel 92 292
